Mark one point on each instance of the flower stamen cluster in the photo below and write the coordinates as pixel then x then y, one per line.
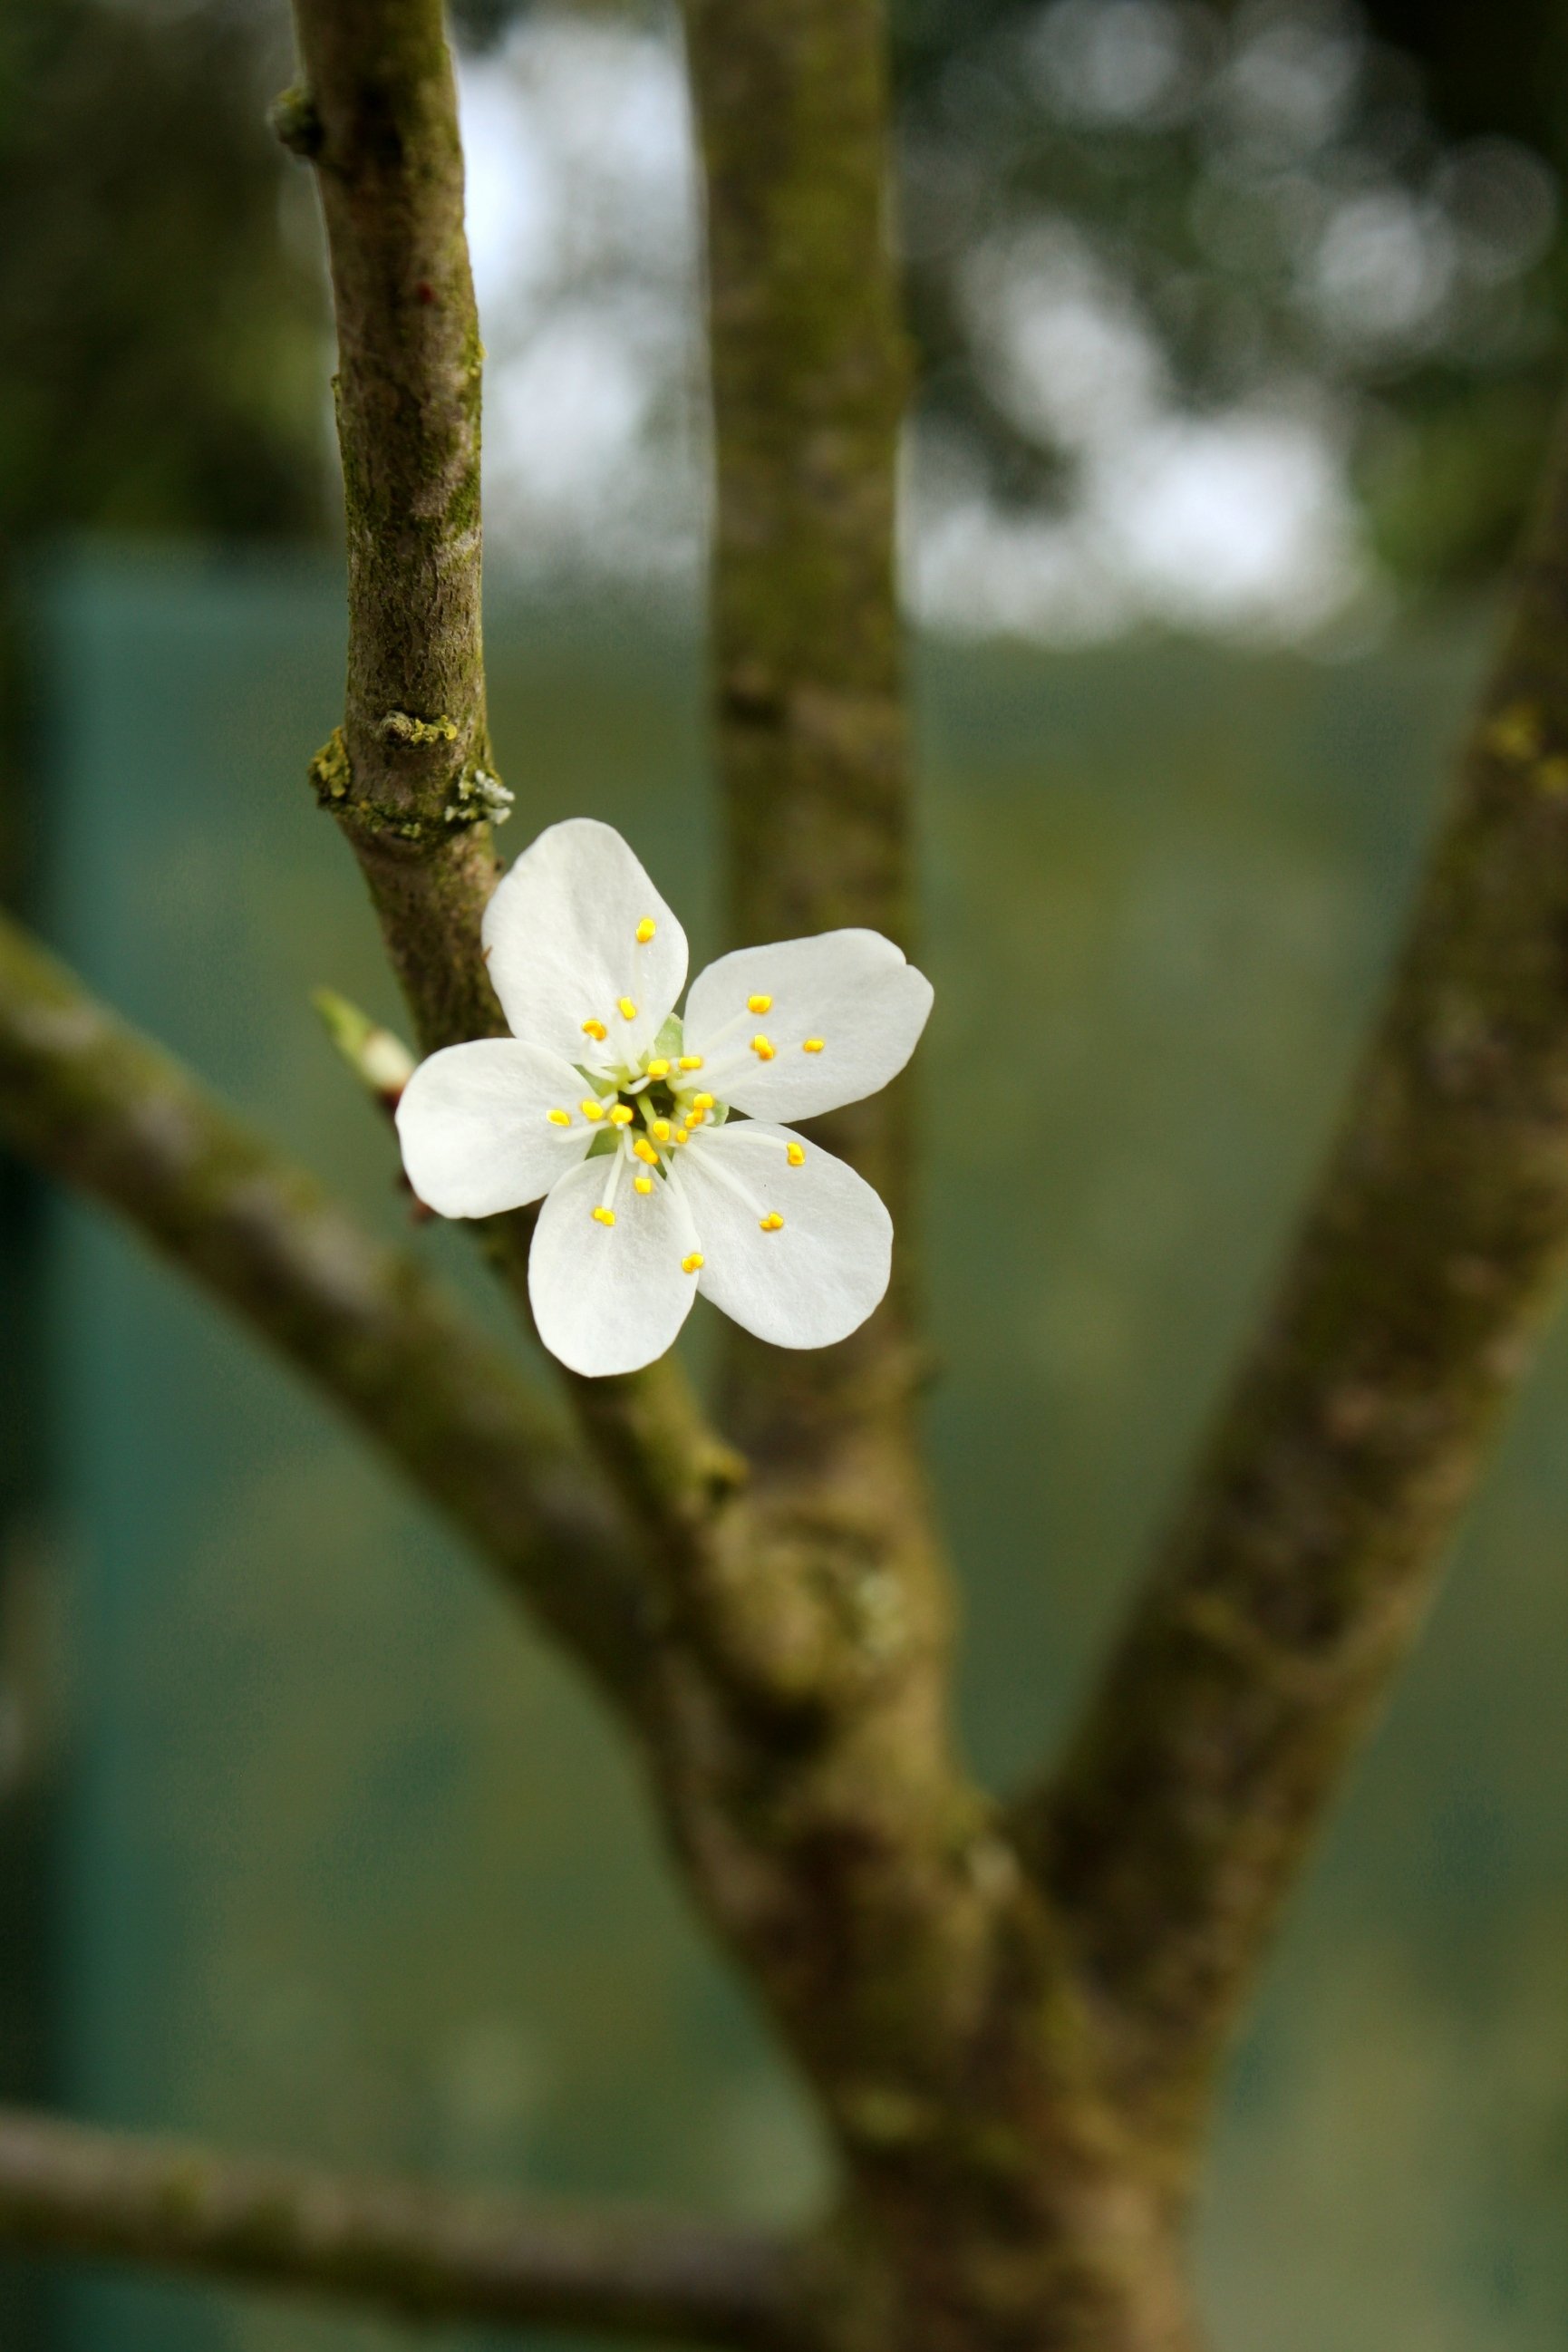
pixel 653 1138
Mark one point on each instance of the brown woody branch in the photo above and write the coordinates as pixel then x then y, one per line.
pixel 419 2252
pixel 810 375
pixel 1300 1563
pixel 407 775
pixel 82 1096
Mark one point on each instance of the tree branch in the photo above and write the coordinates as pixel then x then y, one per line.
pixel 410 776
pixel 1300 1565
pixel 810 373
pixel 84 1096
pixel 419 2252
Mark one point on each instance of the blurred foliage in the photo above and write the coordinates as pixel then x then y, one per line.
pixel 162 355
pixel 1349 212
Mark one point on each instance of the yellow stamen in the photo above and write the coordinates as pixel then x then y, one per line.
pixel 693 1263
pixel 812 1045
pixel 695 1118
pixel 646 930
pixel 681 1136
pixel 560 1117
pixel 702 1102
pixel 592 1109
pixel 659 1069
pixel 689 1062
pixel 773 1222
pixel 603 1216
pixel 759 1003
pixel 626 1008
pixel 594 1029
pixel 642 1183
pixel 643 1150
pixel 659 1131
pixel 621 1114
pixel 762 1049
pixel 795 1154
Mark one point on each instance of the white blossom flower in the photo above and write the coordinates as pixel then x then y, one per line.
pixel 617 1114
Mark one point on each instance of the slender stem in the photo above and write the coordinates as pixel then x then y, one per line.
pixel 417 2251
pixel 84 1096
pixel 1302 1559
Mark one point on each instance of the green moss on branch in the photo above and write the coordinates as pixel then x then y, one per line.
pixel 1302 1559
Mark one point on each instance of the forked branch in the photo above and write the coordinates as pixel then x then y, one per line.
pixel 1300 1564
pixel 416 2251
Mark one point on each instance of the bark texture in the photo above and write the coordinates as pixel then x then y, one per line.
pixel 82 1096
pixel 414 2252
pixel 809 368
pixel 410 775
pixel 1299 1567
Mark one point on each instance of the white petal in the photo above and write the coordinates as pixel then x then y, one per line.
pixel 561 934
pixel 850 990
pixel 475 1126
pixel 817 1277
pixel 609 1299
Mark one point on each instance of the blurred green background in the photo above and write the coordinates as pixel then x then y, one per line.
pixel 305 1844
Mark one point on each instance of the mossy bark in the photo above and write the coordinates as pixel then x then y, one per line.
pixel 1300 1566
pixel 413 2253
pixel 87 1098
pixel 377 117
pixel 405 775
pixel 810 369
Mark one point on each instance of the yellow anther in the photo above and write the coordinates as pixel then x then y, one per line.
pixel 592 1109
pixel 642 1183
pixel 695 1118
pixel 621 1114
pixel 659 1069
pixel 762 1049
pixel 659 1129
pixel 681 1136
pixel 560 1119
pixel 594 1029
pixel 759 1003
pixel 694 1264
pixel 773 1222
pixel 626 1008
pixel 812 1045
pixel 646 930
pixel 603 1216
pixel 689 1062
pixel 702 1102
pixel 795 1154
pixel 643 1150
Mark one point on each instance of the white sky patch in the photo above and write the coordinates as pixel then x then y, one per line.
pixel 582 222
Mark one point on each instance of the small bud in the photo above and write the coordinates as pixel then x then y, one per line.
pixel 380 1060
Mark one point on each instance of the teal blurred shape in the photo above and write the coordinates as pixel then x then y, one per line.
pixel 354 1870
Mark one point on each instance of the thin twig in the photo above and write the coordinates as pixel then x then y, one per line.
pixel 421 2253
